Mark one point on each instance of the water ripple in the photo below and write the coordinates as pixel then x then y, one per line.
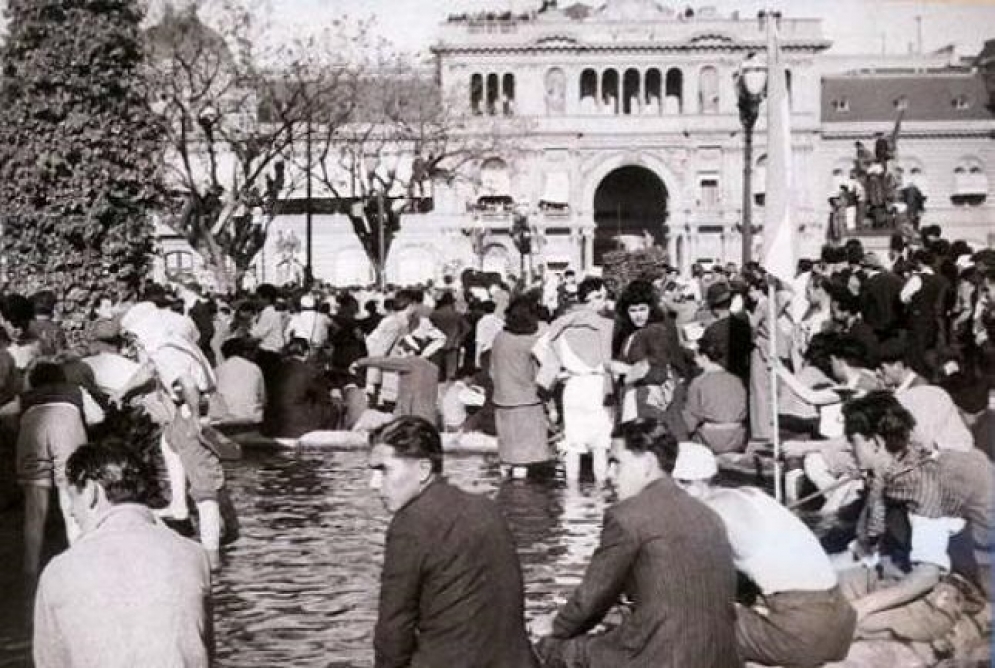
pixel 300 586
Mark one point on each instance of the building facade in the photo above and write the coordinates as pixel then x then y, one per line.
pixel 631 135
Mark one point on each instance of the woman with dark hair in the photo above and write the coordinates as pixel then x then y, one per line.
pixel 347 338
pixel 647 356
pixel 518 411
pixel 715 411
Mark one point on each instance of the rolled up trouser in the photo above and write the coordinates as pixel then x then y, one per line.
pixel 587 423
pixel 202 466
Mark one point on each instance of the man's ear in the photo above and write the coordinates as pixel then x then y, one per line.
pixel 649 463
pixel 425 468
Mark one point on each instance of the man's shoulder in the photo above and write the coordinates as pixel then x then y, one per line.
pixel 239 365
pixel 642 507
pixel 719 378
pixel 442 504
pixel 661 504
pixel 101 549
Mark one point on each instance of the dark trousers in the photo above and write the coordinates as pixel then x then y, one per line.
pixel 269 363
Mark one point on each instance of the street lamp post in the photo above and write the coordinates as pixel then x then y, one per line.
pixel 381 254
pixel 308 213
pixel 751 80
pixel 521 235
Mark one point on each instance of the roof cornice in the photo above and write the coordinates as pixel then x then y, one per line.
pixel 827 131
pixel 814 46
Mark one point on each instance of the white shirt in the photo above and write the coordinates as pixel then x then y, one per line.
pixel 770 544
pixel 111 371
pixel 308 324
pixel 930 539
pixel 939 425
pixel 269 330
pixel 488 327
pixel 241 391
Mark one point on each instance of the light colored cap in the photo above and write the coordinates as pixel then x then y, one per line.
pixel 694 462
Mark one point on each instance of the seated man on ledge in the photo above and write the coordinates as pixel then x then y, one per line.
pixel 801 618
pixel 451 591
pixel 668 553
pixel 917 502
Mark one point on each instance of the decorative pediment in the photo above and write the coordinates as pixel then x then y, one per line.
pixel 711 39
pixel 558 39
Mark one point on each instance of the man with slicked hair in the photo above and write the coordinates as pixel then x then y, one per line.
pixel 130 591
pixel 665 552
pixel 451 589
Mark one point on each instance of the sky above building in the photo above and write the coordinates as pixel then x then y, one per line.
pixel 854 26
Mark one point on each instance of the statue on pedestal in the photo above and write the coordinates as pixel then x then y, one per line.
pixel 288 268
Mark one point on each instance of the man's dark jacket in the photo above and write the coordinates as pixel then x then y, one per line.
pixel 668 553
pixel 734 337
pixel 451 592
pixel 882 308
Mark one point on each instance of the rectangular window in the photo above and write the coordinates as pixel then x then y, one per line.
pixel 710 197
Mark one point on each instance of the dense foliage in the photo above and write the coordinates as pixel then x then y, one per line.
pixel 80 150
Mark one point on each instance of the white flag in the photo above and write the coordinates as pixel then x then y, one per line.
pixel 779 221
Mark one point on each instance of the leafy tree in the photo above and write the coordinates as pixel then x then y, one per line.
pixel 382 155
pixel 234 108
pixel 79 150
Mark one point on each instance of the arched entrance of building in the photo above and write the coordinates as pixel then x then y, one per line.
pixel 630 209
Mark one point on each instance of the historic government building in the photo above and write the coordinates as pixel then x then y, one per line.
pixel 629 132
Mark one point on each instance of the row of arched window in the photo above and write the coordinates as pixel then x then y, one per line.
pixel 492 94
pixel 635 92
pixel 611 91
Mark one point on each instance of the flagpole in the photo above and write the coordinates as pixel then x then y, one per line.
pixel 771 362
pixel 774 70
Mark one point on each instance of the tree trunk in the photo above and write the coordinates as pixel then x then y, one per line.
pixel 379 273
pixel 224 280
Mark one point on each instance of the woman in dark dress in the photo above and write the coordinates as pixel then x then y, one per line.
pixel 648 358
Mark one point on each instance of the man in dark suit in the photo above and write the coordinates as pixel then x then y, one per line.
pixel 729 332
pixel 925 293
pixel 882 308
pixel 668 554
pixel 451 590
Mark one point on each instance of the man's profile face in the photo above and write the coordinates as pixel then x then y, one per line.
pixel 892 373
pixel 81 503
pixel 596 300
pixel 628 470
pixel 870 453
pixel 398 480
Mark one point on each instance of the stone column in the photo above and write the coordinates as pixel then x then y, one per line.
pixel 691 104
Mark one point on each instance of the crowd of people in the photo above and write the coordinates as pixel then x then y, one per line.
pixel 884 365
